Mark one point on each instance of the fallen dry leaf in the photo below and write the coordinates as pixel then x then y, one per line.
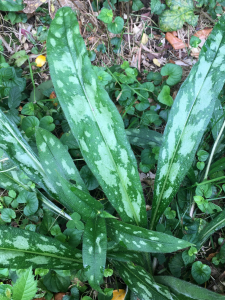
pixel 32 5
pixel 195 52
pixel 203 34
pixel 144 39
pixel 119 295
pixel 175 41
pixel 59 296
pixel 156 62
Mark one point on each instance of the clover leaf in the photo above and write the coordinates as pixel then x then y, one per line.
pixel 180 11
pixel 174 72
pixel 117 26
pixel 200 272
pixel 31 201
pixel 106 15
pixel 75 222
pixel 164 96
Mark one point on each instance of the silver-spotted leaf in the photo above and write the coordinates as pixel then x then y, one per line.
pixel 20 249
pixel 141 282
pixel 188 119
pixel 93 118
pixel 94 251
pixel 140 239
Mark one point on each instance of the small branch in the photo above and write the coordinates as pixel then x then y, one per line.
pixel 9 49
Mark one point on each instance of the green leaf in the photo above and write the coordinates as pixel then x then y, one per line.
pixel 7 214
pixel 94 251
pixel 194 41
pixel 28 109
pixel 164 96
pixel 116 27
pixel 137 5
pixel 40 91
pixel 192 108
pixel 200 272
pixel 94 119
pixel 170 214
pixel 155 77
pixel 217 119
pixel 56 160
pixel 180 11
pixel 176 264
pixel 144 137
pixel 217 223
pixel 14 97
pixel 88 178
pixel 187 258
pixel 47 123
pixel 75 222
pixel 187 290
pixel 21 249
pixel 31 201
pixel 25 287
pixel 143 240
pixel 141 282
pixel 106 15
pixel 202 155
pixel 157 7
pixel 29 124
pixel 11 5
pixel 174 72
pixel 54 282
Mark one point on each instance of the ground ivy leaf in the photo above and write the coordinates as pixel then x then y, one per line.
pixel 164 96
pixel 117 26
pixel 174 72
pixel 200 272
pixel 7 214
pixel 31 201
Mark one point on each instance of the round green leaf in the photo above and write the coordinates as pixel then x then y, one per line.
pixel 29 124
pixel 56 283
pixel 187 258
pixel 28 109
pixel 170 214
pixel 155 77
pixel 101 48
pixel 12 194
pixel 31 201
pixel 164 96
pixel 200 272
pixel 117 26
pixel 7 214
pixel 106 15
pixel 116 42
pixel 174 72
pixel 88 178
pixel 145 168
pixel 147 157
pixel 47 123
pixel 200 165
pixel 202 155
pixel 91 55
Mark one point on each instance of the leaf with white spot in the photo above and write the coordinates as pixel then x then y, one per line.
pixel 217 119
pixel 186 290
pixel 55 158
pixel 188 119
pixel 93 118
pixel 144 137
pixel 20 249
pixel 141 282
pixel 19 151
pixel 94 251
pixel 140 239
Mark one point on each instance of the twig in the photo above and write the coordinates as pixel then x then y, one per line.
pixel 6 45
pixel 208 17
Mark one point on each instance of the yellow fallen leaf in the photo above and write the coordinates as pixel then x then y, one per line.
pixel 156 62
pixel 144 39
pixel 40 61
pixel 119 295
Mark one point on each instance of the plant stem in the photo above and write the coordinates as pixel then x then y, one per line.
pixel 213 150
pixel 32 78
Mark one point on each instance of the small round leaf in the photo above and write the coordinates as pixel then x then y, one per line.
pixel 174 72
pixel 117 26
pixel 200 272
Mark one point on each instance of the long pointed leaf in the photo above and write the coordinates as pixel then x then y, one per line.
pixel 144 137
pixel 18 150
pixel 188 119
pixel 55 159
pixel 93 118
pixel 20 249
pixel 94 250
pixel 141 239
pixel 141 283
pixel 187 290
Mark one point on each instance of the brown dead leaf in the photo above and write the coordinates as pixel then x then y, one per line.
pixel 175 41
pixel 59 296
pixel 73 4
pixel 119 294
pixel 203 34
pixel 211 255
pixel 32 5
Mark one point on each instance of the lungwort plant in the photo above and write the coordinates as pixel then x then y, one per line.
pixel 99 130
